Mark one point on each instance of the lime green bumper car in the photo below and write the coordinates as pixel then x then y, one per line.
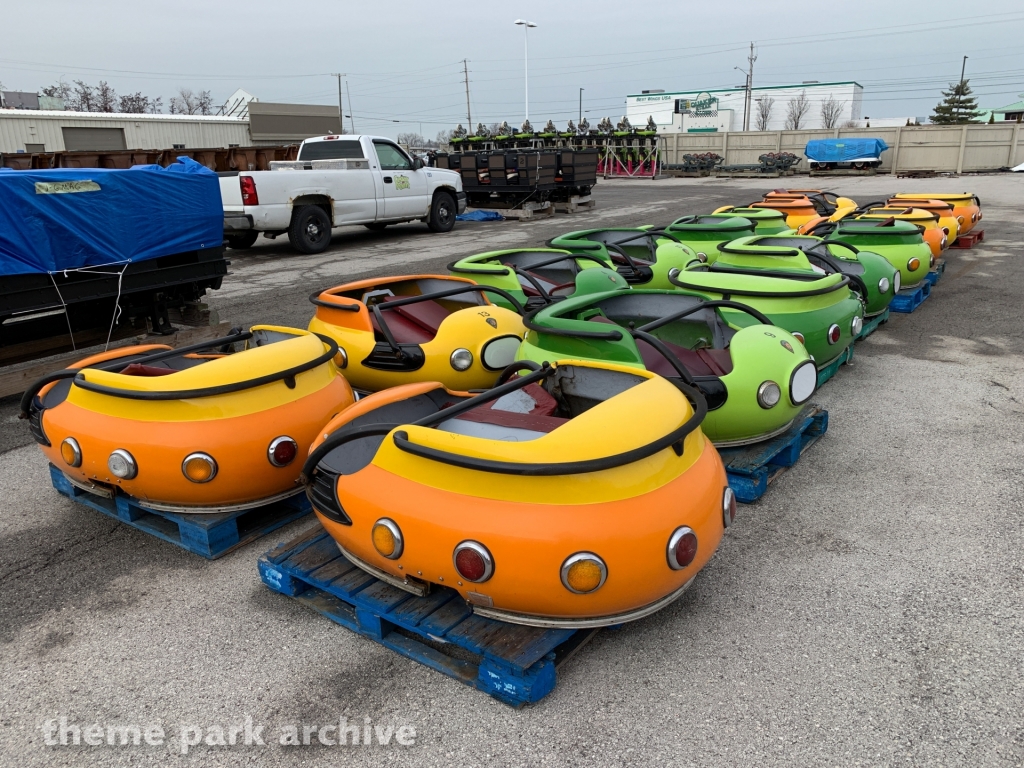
pixel 871 275
pixel 820 310
pixel 755 378
pixel 642 255
pixel 703 234
pixel 901 243
pixel 767 221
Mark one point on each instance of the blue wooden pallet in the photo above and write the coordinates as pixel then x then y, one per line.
pixel 872 325
pixel 909 299
pixel 512 663
pixel 830 370
pixel 209 535
pixel 752 467
pixel 936 272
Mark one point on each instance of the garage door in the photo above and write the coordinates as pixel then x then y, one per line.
pixel 93 139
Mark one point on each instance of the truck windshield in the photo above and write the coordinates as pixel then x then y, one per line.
pixel 331 150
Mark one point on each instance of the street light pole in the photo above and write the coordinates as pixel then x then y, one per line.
pixel 581 105
pixel 526 57
pixel 960 95
pixel 341 112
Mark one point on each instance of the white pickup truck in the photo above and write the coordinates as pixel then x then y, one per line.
pixel 337 181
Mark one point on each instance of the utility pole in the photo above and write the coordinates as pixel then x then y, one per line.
pixel 751 58
pixel 341 112
pixel 581 106
pixel 351 112
pixel 469 113
pixel 960 95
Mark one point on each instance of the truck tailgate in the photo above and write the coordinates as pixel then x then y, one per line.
pixel 230 191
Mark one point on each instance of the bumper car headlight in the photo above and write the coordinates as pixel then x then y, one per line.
pixel 883 285
pixel 728 506
pixel 896 282
pixel 857 325
pixel 768 394
pixel 122 464
pixel 461 359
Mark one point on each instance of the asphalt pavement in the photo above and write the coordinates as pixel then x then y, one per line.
pixel 866 611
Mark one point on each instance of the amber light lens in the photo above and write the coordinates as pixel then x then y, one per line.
pixel 199 468
pixel 387 538
pixel 583 572
pixel 913 264
pixel 70 452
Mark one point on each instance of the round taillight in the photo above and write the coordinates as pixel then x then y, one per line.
pixel 799 336
pixel 341 358
pixel 199 467
pixel 914 264
pixel 583 572
pixel 728 509
pixel 834 334
pixel 473 562
pixel 282 451
pixel 71 452
pixel 682 548
pixel 702 256
pixel 122 464
pixel 387 538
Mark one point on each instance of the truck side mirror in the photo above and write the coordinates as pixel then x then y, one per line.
pixel 417 163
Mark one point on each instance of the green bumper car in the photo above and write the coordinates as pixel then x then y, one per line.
pixel 871 275
pixel 642 255
pixel 756 379
pixel 533 276
pixel 767 221
pixel 703 234
pixel 820 310
pixel 899 242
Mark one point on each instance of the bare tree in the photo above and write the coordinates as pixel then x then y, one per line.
pixel 83 98
pixel 156 106
pixel 850 124
pixel 106 99
pixel 204 103
pixel 134 103
pixel 831 111
pixel 796 110
pixel 443 137
pixel 59 90
pixel 764 113
pixel 411 139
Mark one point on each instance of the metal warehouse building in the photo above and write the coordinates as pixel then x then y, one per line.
pixel 722 109
pixel 33 130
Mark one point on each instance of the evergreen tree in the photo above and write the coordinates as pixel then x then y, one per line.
pixel 958 106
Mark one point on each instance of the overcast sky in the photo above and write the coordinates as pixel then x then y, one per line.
pixel 404 60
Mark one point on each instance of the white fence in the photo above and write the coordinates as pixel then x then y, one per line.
pixel 955 148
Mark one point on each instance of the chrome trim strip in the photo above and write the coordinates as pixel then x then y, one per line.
pixel 605 621
pixel 186 510
pixel 758 439
pixel 99 490
pixel 420 590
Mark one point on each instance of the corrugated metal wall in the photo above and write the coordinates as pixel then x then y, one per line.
pixel 19 128
pixel 954 148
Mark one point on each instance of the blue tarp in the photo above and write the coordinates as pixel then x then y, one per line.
pixel 480 216
pixel 70 218
pixel 844 150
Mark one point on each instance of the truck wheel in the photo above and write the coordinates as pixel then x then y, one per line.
pixel 310 231
pixel 377 226
pixel 442 213
pixel 242 241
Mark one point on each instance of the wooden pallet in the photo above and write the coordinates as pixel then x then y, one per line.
pixel 724 174
pixel 576 204
pixel 209 535
pixel 830 370
pixel 752 467
pixel 512 663
pixel 871 325
pixel 968 241
pixel 936 272
pixel 909 299
pixel 845 172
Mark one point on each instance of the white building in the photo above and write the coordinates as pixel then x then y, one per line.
pixel 722 109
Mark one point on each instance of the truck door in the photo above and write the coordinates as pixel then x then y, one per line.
pixel 405 188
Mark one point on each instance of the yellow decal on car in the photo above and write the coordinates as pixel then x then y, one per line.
pixel 401 182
